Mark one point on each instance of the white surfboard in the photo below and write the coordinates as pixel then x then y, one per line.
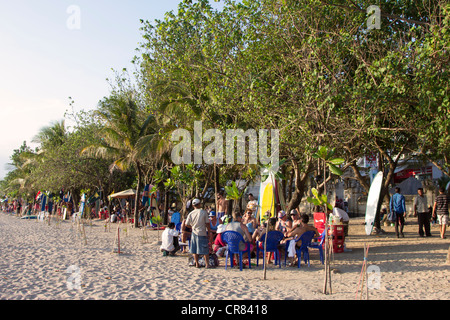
pixel 372 201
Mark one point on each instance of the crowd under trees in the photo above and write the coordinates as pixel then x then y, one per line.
pixel 308 68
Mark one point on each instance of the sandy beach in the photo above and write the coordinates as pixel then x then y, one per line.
pixel 36 258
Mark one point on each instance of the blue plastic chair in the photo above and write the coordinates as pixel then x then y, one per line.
pixel 233 239
pixel 319 245
pixel 306 239
pixel 273 239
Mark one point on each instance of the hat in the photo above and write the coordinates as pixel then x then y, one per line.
pixel 173 205
pixel 221 228
pixel 293 212
pixel 196 202
pixel 281 214
pixel 212 214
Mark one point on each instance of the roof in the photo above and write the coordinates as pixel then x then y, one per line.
pixel 408 186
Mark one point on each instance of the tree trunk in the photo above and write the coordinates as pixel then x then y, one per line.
pixel 216 183
pixel 74 201
pixel 230 206
pixel 359 177
pixel 291 181
pixel 301 180
pixel 166 206
pixel 136 202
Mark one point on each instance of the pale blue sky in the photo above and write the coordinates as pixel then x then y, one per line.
pixel 43 62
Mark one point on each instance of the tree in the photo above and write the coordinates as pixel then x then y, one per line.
pixel 124 137
pixel 325 155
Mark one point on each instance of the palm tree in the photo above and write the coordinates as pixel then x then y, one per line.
pixel 127 137
pixel 51 136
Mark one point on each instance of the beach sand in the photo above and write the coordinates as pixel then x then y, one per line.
pixel 36 258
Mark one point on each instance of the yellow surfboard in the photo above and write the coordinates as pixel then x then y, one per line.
pixel 266 199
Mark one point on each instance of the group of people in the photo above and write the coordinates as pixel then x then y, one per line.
pixel 203 228
pixel 425 214
pixel 13 207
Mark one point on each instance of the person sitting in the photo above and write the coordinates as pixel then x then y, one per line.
pixel 261 230
pixel 237 226
pixel 295 217
pixel 219 246
pixel 121 215
pixel 283 224
pixel 301 229
pixel 268 225
pixel 297 233
pixel 169 241
pixel 250 221
pixel 213 223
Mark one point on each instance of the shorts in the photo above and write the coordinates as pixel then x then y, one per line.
pixel 199 244
pixel 443 219
pixel 219 215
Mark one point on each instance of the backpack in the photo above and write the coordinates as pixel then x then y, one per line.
pixel 213 261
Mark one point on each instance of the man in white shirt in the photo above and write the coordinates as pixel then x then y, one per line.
pixel 198 220
pixel 341 216
pixel 421 212
pixel 169 243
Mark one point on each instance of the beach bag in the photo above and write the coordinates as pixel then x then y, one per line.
pixel 213 261
pixel 191 262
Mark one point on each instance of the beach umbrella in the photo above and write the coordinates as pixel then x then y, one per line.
pixel 124 194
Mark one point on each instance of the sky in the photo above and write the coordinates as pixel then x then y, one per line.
pixel 51 50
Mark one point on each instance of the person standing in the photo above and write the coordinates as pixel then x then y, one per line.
pixel 222 205
pixel 440 209
pixel 398 208
pixel 175 216
pixel 198 220
pixel 421 212
pixel 252 204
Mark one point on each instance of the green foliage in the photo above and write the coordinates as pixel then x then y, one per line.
pixel 307 68
pixel 325 155
pixel 319 200
pixel 233 192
